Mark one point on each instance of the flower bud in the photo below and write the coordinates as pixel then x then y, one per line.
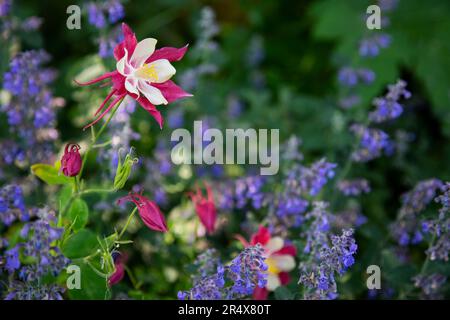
pixel 71 160
pixel 123 170
pixel 150 213
pixel 205 208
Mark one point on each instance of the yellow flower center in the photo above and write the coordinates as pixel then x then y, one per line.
pixel 272 266
pixel 148 72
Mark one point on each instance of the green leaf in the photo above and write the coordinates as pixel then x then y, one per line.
pixel 283 293
pixel 64 196
pixel 78 214
pixel 93 286
pixel 79 245
pixel 49 174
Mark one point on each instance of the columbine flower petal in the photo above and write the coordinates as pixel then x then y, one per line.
pixel 151 93
pixel 273 282
pixel 163 69
pixel 283 262
pixel 144 49
pixel 274 244
pixel 131 84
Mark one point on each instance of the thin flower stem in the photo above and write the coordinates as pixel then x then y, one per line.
pixel 127 224
pixel 89 191
pixel 96 136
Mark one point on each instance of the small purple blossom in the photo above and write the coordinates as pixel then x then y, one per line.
pixel 311 180
pixel 354 187
pixel 388 107
pixel 372 143
pixel 430 285
pixel 439 228
pixel 350 77
pixel 333 255
pixel 245 273
pixel 12 205
pixel 370 47
pixel 406 229
pixel 30 111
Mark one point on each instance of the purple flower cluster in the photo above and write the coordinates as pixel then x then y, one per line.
pixel 249 191
pixel 5 7
pixel 439 228
pixel 243 275
pixel 349 218
pixel 354 187
pixel 30 110
pixel 430 285
pixel 371 46
pixel 47 260
pixel 312 179
pixel 12 205
pixel 372 143
pixel 204 49
pixel 350 77
pixel 415 201
pixel 107 42
pixel 102 12
pixel 320 224
pixel 388 107
pixel 333 258
pixel 19 290
pixel 406 228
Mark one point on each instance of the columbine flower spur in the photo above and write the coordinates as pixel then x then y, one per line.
pixel 143 73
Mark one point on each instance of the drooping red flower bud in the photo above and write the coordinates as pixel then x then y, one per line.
pixel 71 160
pixel 148 210
pixel 205 208
pixel 119 273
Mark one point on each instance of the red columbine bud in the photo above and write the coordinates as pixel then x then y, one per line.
pixel 119 273
pixel 71 160
pixel 148 210
pixel 205 208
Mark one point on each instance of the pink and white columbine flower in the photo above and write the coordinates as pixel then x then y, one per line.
pixel 142 73
pixel 279 259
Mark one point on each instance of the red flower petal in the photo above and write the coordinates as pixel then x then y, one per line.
pixel 118 275
pixel 129 42
pixel 171 91
pixel 98 79
pixel 260 293
pixel 111 105
pixel 284 278
pixel 169 53
pixel 287 249
pixel 262 236
pixel 150 108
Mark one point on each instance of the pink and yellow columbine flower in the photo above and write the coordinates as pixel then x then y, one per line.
pixel 205 208
pixel 142 73
pixel 279 259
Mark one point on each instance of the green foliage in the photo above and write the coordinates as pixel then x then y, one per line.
pixel 80 244
pixel 419 43
pixel 77 214
pixel 49 174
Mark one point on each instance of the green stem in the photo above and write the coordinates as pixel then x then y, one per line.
pixel 96 136
pixel 127 224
